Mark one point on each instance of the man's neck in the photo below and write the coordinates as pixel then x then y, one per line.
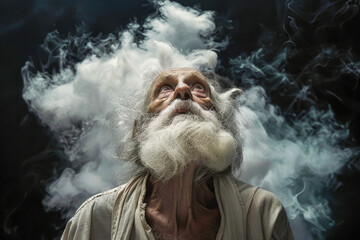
pixel 181 208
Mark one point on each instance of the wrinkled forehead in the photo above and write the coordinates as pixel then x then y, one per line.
pixel 178 73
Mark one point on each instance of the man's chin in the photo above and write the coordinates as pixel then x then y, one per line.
pixel 184 117
pixel 196 171
pixel 171 142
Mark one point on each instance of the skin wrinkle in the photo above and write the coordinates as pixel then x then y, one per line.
pixel 181 208
pixel 192 207
pixel 222 96
pixel 177 78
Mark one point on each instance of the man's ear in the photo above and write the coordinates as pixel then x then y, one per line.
pixel 231 94
pixel 235 92
pixel 136 129
pixel 227 100
pixel 138 126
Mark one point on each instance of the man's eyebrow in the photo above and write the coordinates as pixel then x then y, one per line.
pixel 164 78
pixel 196 76
pixel 168 75
pixel 159 81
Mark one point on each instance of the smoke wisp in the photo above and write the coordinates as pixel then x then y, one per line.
pixel 292 155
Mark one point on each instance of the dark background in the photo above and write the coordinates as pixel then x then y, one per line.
pixel 29 155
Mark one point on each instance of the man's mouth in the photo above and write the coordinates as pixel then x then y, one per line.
pixel 180 111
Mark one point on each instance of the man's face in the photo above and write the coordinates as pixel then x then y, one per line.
pixel 179 83
pixel 171 140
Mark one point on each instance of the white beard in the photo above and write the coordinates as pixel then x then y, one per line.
pixel 171 141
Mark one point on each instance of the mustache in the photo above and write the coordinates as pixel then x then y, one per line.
pixel 171 140
pixel 187 107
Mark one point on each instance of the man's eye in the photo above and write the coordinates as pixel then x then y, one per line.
pixel 198 87
pixel 165 89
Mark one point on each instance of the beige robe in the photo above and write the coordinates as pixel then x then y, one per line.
pixel 247 212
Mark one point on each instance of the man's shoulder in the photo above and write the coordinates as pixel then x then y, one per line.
pixel 103 201
pixel 259 212
pixel 256 197
pixel 93 219
pixel 264 211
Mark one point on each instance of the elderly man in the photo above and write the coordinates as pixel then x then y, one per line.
pixel 186 145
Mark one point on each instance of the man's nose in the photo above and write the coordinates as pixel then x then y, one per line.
pixel 182 91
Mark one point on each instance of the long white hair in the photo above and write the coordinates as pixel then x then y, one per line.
pixel 164 144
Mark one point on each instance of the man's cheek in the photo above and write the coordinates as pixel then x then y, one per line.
pixel 206 102
pixel 156 106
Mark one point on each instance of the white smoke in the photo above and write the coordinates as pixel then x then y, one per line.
pixel 75 102
pixel 293 159
pixel 293 156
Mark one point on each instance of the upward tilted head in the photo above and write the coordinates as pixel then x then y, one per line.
pixel 186 119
